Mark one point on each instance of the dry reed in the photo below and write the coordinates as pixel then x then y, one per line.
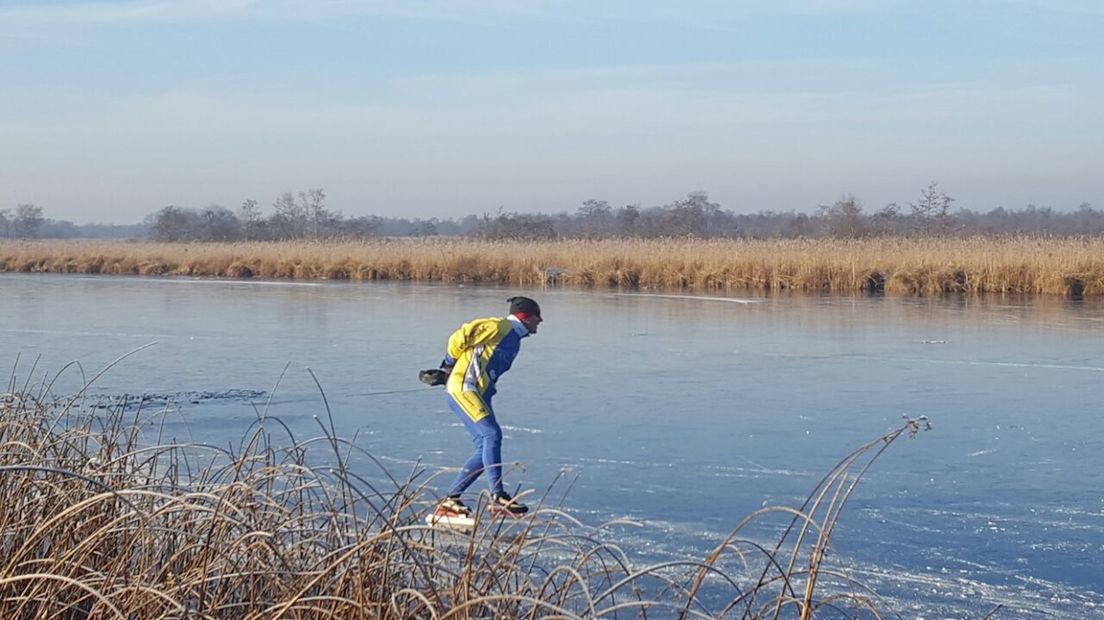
pixel 901 266
pixel 99 521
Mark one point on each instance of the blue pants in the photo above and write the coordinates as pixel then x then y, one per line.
pixel 479 419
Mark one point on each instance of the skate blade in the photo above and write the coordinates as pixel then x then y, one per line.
pixel 455 522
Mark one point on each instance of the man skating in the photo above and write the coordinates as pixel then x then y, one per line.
pixel 479 352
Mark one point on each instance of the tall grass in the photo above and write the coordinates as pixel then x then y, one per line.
pixel 103 518
pixel 902 266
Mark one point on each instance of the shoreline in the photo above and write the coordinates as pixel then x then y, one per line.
pixel 1072 267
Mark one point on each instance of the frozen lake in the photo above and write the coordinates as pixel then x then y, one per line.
pixel 684 412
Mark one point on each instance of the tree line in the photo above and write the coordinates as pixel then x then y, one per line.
pixel 24 222
pixel 27 221
pixel 304 215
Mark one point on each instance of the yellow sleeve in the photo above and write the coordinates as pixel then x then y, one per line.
pixel 470 335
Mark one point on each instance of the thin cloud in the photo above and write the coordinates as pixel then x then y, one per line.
pixel 96 13
pixel 38 14
pixel 1092 8
pixel 709 14
pixel 134 11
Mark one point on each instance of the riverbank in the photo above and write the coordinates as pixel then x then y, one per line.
pixel 896 266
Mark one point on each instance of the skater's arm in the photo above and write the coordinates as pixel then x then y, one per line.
pixel 470 335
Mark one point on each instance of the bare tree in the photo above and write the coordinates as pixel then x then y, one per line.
pixel 289 221
pixel 425 228
pixel 626 218
pixel 174 224
pixel 249 214
pixel 28 219
pixel 312 206
pixel 6 223
pixel 796 225
pixel 845 218
pixel 218 223
pixel 364 226
pixel 513 225
pixel 887 220
pixel 692 216
pixel 596 219
pixel 933 211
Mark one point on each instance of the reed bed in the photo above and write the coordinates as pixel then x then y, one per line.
pixel 101 521
pixel 897 266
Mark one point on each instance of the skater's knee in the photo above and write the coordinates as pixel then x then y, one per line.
pixel 490 431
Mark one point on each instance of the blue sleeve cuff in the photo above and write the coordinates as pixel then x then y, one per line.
pixel 448 361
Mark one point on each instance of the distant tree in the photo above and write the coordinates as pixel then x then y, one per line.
pixel 64 229
pixel 845 218
pixel 249 215
pixel 363 226
pixel 218 223
pixel 312 207
pixel 1088 221
pixel 59 229
pixel 795 225
pixel 652 222
pixel 174 223
pixel 626 218
pixel 887 220
pixel 290 219
pixel 425 228
pixel 512 225
pixel 723 224
pixel 692 216
pixel 304 214
pixel 468 225
pixel 28 219
pixel 564 225
pixel 595 219
pixel 933 211
pixel 5 223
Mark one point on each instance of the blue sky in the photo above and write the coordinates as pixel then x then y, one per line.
pixel 112 110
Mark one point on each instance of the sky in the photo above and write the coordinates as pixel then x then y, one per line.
pixel 111 110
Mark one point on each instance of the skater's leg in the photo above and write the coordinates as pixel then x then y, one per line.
pixel 471 469
pixel 492 452
pixel 479 420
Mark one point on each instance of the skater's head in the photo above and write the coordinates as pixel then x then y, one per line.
pixel 527 311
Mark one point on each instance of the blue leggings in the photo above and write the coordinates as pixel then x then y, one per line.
pixel 479 419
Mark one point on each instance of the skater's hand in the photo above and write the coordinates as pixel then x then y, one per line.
pixel 434 376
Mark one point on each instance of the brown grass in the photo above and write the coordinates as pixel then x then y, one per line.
pixel 897 266
pixel 100 522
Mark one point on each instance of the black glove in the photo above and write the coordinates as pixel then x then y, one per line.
pixel 434 376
